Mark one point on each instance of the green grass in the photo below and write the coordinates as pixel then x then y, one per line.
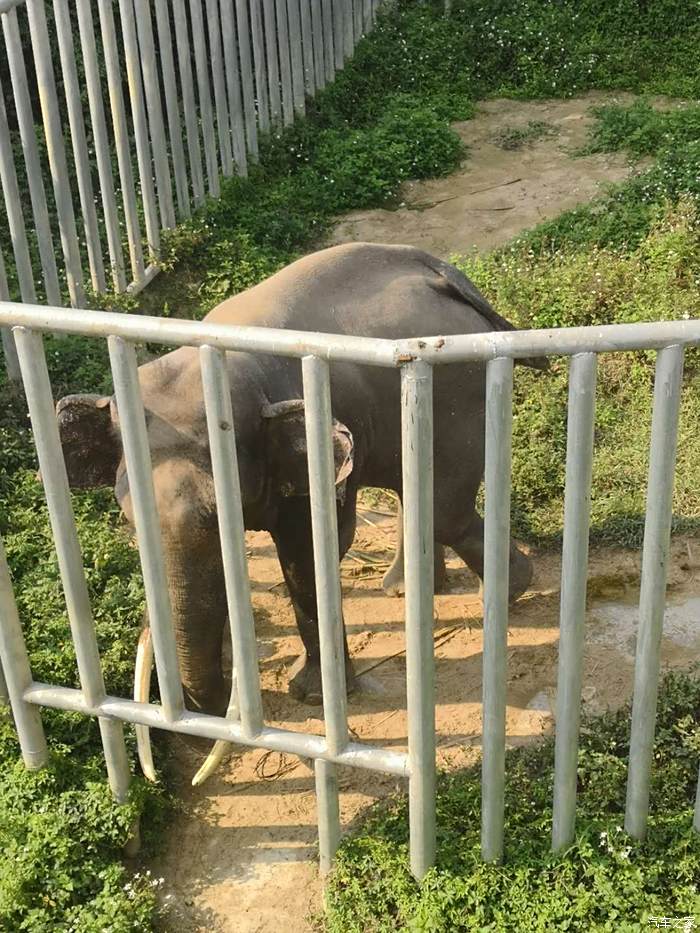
pixel 605 881
pixel 630 255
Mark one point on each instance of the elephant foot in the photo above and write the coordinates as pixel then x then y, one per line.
pixel 520 574
pixel 393 582
pixel 305 680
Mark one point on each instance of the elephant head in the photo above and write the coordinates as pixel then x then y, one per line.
pixel 273 465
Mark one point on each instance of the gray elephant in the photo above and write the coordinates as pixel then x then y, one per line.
pixel 360 289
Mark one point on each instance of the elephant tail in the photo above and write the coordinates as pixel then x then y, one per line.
pixel 467 291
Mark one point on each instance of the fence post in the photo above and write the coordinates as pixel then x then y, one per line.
pixel 121 131
pixel 53 473
pixel 172 106
pixel 189 106
pixel 64 34
pixel 132 59
pixel 204 89
pixel 216 64
pixel 572 615
pixel 417 497
pixel 102 149
pixel 35 175
pixel 8 341
pixel 13 209
pixel 18 676
pixel 245 57
pixel 652 597
pixel 156 125
pixel 324 520
pixel 140 475
pixel 499 414
pixel 41 50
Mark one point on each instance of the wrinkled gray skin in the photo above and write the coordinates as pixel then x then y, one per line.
pixel 362 289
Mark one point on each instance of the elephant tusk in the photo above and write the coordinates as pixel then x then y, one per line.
pixel 142 687
pixel 220 748
pixel 212 762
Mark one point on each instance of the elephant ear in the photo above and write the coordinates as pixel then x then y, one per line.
pixel 91 445
pixel 287 453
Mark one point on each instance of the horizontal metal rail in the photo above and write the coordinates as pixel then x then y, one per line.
pixel 354 754
pixel 370 350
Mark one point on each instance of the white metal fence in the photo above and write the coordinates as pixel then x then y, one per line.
pixel 416 359
pixel 158 99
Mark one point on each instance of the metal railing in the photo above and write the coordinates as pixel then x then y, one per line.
pixel 416 360
pixel 159 100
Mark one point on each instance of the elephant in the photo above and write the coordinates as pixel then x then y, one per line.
pixel 356 289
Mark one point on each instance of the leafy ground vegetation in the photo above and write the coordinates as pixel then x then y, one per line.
pixel 630 255
pixel 601 883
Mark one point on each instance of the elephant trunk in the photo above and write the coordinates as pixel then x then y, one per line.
pixel 198 599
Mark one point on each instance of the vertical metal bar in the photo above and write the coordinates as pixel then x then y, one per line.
pixel 35 175
pixel 328 808
pixel 317 34
pixel 139 472
pixel 284 41
pixel 13 208
pixel 58 165
pixel 652 597
pixel 4 695
pixel 258 37
pixel 70 562
pixel 18 675
pixel 188 100
pixel 273 70
pixel 229 38
pixel 324 521
pixel 417 498
pixel 296 53
pixel 572 615
pixel 167 64
pixel 696 816
pixel 8 341
pixel 216 63
pixel 156 125
pixel 307 41
pixel 339 34
pixel 121 131
pixel 205 109
pixel 222 444
pixel 102 149
pixel 348 28
pixel 64 34
pixel 245 57
pixel 359 22
pixel 499 415
pixel 328 39
pixel 138 113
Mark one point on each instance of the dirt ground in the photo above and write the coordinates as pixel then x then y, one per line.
pixel 241 856
pixel 498 192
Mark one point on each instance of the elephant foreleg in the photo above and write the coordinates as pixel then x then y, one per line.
pixel 294 543
pixel 393 582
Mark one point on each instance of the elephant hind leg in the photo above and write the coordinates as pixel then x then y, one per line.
pixel 468 542
pixel 393 582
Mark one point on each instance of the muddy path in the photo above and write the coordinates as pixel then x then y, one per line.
pixel 241 856
pixel 512 179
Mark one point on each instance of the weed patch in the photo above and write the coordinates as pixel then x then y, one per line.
pixel 604 881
